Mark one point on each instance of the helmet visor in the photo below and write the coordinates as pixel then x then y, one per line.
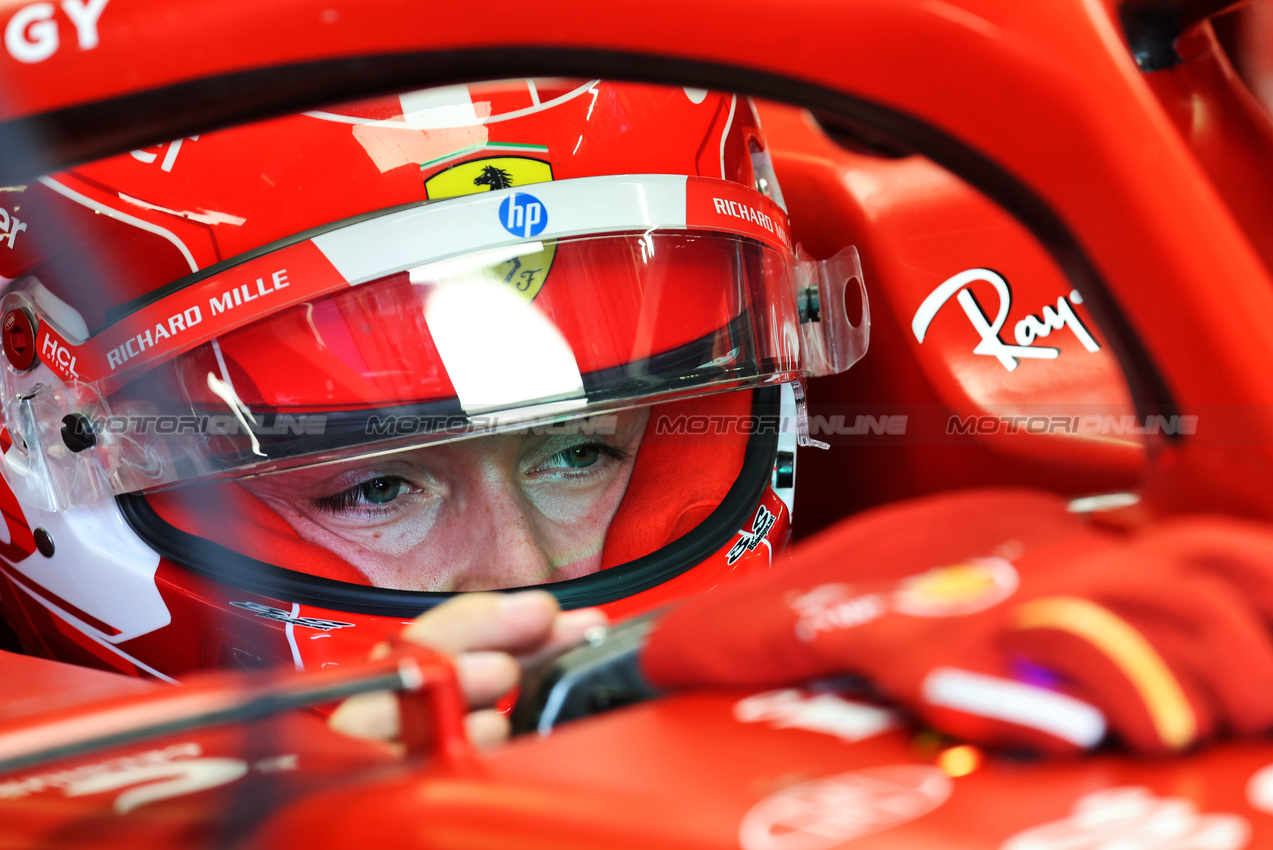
pixel 383 336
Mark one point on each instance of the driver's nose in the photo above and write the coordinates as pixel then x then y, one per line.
pixel 502 525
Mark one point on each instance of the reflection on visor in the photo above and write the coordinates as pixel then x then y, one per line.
pixel 498 338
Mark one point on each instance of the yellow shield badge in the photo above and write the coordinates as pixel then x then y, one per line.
pixel 525 273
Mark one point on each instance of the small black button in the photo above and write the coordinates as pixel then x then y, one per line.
pixel 77 432
pixel 43 542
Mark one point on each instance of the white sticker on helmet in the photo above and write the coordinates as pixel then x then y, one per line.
pixel 587 206
pixel 101 567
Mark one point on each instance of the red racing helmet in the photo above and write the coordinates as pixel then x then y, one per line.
pixel 323 371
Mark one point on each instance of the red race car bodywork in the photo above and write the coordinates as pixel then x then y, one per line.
pixel 1093 177
pixel 780 769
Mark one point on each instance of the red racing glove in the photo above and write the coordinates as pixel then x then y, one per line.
pixel 1001 618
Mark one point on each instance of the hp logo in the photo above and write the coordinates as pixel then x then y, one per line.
pixel 523 215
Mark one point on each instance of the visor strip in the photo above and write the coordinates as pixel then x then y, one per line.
pixel 408 239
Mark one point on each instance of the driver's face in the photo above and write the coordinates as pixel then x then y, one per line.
pixel 479 514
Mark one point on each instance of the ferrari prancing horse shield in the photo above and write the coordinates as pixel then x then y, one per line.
pixel 526 273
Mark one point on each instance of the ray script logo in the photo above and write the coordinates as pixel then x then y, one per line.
pixel 1026 332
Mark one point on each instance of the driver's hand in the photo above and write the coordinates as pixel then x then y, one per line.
pixel 490 637
pixel 1000 617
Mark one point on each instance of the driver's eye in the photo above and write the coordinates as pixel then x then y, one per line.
pixel 373 492
pixel 379 491
pixel 584 456
pixel 577 457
